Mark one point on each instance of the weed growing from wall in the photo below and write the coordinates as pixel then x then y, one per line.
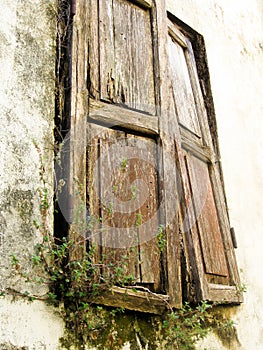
pixel 74 284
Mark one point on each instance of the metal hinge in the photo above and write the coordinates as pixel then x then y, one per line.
pixel 233 236
pixel 73 8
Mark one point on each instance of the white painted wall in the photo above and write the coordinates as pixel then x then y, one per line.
pixel 233 33
pixel 32 325
pixel 27 61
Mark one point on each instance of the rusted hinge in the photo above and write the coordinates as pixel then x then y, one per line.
pixel 73 8
pixel 233 236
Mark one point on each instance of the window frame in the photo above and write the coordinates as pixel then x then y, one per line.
pixel 210 152
pixel 84 41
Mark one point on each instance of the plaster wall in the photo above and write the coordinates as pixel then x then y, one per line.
pixel 27 61
pixel 233 32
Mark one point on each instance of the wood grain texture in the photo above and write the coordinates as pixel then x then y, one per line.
pixel 126 55
pixel 119 117
pixel 169 137
pixel 137 300
pixel 93 79
pixel 149 155
pixel 206 232
pixel 207 217
pixel 79 108
pixel 123 194
pixel 184 97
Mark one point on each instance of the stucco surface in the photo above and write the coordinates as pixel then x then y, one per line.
pixel 26 102
pixel 29 326
pixel 27 63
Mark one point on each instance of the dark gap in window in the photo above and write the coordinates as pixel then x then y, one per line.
pixel 62 113
pixel 163 254
pixel 100 204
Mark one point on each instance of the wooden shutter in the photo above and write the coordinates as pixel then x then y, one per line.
pixel 204 222
pixel 131 165
pixel 141 147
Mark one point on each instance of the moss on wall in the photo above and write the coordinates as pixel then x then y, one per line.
pixel 9 346
pixel 120 329
pixel 113 329
pixel 227 335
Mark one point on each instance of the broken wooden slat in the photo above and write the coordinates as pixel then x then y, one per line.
pixel 117 117
pixel 132 299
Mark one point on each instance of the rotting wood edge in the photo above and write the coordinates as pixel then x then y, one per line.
pixel 133 299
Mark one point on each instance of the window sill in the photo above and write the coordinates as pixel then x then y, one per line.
pixel 133 299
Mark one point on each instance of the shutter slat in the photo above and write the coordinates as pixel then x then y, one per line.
pixel 115 116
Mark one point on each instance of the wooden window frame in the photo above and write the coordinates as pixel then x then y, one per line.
pixel 165 126
pixel 209 152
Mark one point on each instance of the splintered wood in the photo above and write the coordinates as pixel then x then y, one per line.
pixel 126 55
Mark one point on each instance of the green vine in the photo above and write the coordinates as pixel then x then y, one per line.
pixel 74 285
pixel 190 324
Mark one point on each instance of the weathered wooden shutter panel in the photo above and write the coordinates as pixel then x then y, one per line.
pixel 206 216
pixel 184 97
pixel 126 55
pixel 125 193
pixel 169 138
pixel 125 186
pixel 205 226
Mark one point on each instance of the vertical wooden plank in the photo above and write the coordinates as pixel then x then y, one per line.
pixel 144 183
pixel 93 192
pixel 119 233
pixel 199 101
pixel 126 58
pixel 219 196
pixel 93 83
pixel 169 135
pixel 122 188
pixel 106 50
pixel 78 130
pixel 197 287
